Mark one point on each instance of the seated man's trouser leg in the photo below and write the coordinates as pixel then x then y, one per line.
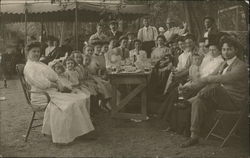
pixel 210 98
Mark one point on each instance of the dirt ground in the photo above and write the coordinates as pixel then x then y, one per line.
pixel 115 138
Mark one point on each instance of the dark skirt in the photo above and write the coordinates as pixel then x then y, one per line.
pixel 158 82
pixel 178 119
pixel 148 46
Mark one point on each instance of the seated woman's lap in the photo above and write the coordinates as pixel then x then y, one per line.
pixel 64 100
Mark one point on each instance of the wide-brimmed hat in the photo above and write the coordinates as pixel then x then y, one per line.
pixel 34 44
pixel 96 42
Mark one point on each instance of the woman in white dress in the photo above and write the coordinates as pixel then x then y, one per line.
pixel 66 117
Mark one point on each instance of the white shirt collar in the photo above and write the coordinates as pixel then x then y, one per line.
pixel 146 27
pixel 114 32
pixel 186 52
pixel 230 61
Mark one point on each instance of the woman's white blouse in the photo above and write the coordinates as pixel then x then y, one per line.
pixel 39 75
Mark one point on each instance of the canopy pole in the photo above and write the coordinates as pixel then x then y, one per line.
pixel 25 21
pixel 42 30
pixel 76 25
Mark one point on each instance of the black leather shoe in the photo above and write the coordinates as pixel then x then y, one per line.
pixel 190 142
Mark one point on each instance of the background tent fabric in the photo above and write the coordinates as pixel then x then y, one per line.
pixel 55 12
pixel 193 19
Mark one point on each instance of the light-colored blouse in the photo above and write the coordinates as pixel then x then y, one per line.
pixel 159 52
pixel 140 55
pixel 39 75
pixel 209 67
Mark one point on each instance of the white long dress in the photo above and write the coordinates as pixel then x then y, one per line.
pixel 66 116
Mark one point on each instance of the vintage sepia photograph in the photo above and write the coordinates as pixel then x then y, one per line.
pixel 124 78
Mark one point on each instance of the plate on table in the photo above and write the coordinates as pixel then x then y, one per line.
pixel 136 71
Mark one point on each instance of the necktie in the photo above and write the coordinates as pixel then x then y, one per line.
pixel 224 67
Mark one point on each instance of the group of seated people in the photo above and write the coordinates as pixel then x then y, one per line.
pixel 206 77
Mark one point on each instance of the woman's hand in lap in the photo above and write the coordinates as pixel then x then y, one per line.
pixel 53 85
pixel 59 86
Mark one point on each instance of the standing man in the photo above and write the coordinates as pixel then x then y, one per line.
pixel 66 47
pixel 210 27
pixel 113 33
pixel 147 35
pixel 172 30
pixel 99 35
pixel 50 47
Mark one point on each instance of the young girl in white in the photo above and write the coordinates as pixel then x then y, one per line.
pixel 84 78
pixel 73 76
pixel 104 87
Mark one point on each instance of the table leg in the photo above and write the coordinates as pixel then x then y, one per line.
pixel 144 102
pixel 118 94
pixel 114 100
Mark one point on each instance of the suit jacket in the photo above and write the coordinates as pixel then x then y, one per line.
pixel 55 54
pixel 211 31
pixel 117 35
pixel 235 80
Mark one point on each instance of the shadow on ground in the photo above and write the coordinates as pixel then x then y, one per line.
pixel 116 138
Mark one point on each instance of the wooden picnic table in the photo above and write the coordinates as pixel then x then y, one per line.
pixel 138 80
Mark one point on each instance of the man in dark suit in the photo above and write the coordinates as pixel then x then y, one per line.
pixel 55 53
pixel 209 26
pixel 226 89
pixel 113 33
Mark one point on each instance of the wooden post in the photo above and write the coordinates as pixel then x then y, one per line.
pixel 26 26
pixel 42 28
pixel 237 19
pixel 76 25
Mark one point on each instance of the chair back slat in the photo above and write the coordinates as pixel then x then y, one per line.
pixel 25 85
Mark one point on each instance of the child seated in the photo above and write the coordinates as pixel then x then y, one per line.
pixel 57 66
pixel 73 76
pixel 103 87
pixel 85 81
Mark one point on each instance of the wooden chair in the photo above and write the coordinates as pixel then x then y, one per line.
pixel 27 92
pixel 221 113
